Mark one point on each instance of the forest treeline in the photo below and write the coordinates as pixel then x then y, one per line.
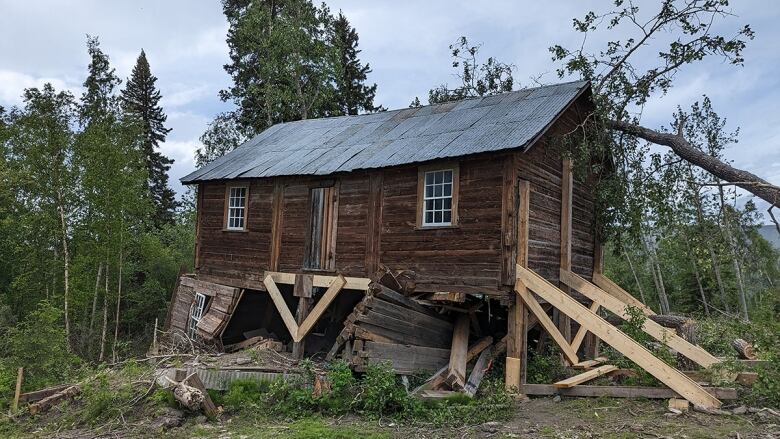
pixel 92 238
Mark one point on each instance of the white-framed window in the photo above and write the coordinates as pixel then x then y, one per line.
pixel 196 312
pixel 437 198
pixel 236 212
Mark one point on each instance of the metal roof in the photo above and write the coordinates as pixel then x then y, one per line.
pixel 390 138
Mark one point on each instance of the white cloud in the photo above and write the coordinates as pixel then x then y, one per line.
pixel 13 84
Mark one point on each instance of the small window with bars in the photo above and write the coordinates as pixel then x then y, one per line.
pixel 438 198
pixel 196 313
pixel 236 209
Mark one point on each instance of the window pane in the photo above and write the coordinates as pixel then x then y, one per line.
pixel 429 178
pixel 448 176
pixel 437 217
pixel 447 203
pixel 429 191
pixel 437 204
pixel 447 190
pixel 429 217
pixel 447 216
pixel 437 190
pixel 428 204
pixel 439 176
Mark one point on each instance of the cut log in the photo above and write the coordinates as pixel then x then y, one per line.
pixel 744 349
pixel 209 409
pixel 38 395
pixel 456 376
pixel 50 401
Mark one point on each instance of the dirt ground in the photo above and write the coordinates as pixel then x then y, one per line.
pixel 538 418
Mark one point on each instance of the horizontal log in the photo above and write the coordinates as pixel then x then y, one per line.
pixel 724 393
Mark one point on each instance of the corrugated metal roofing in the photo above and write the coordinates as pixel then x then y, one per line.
pixel 410 135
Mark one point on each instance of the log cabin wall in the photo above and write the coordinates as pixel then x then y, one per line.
pixel 377 224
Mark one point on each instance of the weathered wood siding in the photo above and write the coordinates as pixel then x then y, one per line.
pixel 376 224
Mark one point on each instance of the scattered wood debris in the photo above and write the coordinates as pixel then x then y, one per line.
pixel 50 401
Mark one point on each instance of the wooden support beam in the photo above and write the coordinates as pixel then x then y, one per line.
pixel 585 376
pixel 614 290
pixel 437 379
pixel 546 323
pixel 280 304
pixel 276 225
pixel 456 375
pixel 320 307
pixel 624 344
pixel 580 336
pixel 518 320
pixel 320 281
pixel 658 332
pixel 567 189
pixel 304 303
pixel 724 393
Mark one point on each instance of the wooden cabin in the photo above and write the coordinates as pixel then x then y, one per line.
pixel 387 233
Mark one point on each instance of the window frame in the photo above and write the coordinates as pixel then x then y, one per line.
pixel 198 307
pixel 326 257
pixel 228 190
pixel 421 173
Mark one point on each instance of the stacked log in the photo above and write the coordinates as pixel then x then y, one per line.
pixel 388 326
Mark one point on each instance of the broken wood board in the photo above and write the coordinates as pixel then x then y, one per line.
pixel 437 379
pixel 43 393
pixel 46 403
pixel 478 372
pixel 611 335
pixel 456 375
pixel 404 359
pixel 587 364
pixel 585 376
pixel 257 343
pixel 446 297
pixel 616 306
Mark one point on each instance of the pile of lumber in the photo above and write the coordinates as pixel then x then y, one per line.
pixel 388 326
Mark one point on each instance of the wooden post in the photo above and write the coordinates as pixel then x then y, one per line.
pixel 304 303
pixel 517 319
pixel 374 226
pixel 276 226
pixel 567 189
pixel 19 375
pixel 456 376
pixel 591 344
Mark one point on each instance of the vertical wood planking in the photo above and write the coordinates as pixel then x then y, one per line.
pixel 198 216
pixel 374 224
pixel 509 208
pixel 564 322
pixel 333 223
pixel 276 225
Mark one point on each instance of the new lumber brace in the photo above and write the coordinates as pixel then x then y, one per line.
pixel 611 335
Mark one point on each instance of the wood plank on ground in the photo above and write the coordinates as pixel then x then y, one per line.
pixel 724 393
pixel 587 364
pixel 664 335
pixel 585 376
pixel 611 335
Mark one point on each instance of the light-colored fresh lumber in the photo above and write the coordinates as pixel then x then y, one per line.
pixel 333 290
pixel 513 383
pixel 664 335
pixel 436 394
pixel 611 335
pixel 545 321
pixel 587 364
pixel 321 281
pixel 585 376
pixel 679 404
pixel 725 393
pixel 456 375
pixel 18 391
pixel 580 336
pixel 281 305
pixel 619 293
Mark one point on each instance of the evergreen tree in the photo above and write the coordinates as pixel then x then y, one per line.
pixel 141 100
pixel 352 94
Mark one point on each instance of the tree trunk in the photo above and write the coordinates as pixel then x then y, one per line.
pixel 66 258
pixel 636 278
pixel 105 319
pixel 744 349
pixel 734 256
pixel 744 179
pixel 658 279
pixel 715 264
pixel 118 302
pixel 95 298
pixel 698 278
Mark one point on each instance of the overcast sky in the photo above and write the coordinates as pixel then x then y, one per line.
pixel 405 42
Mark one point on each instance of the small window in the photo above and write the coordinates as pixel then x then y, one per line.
pixel 196 312
pixel 438 204
pixel 321 239
pixel 236 208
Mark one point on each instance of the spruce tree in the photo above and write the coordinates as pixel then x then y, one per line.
pixel 352 94
pixel 141 100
